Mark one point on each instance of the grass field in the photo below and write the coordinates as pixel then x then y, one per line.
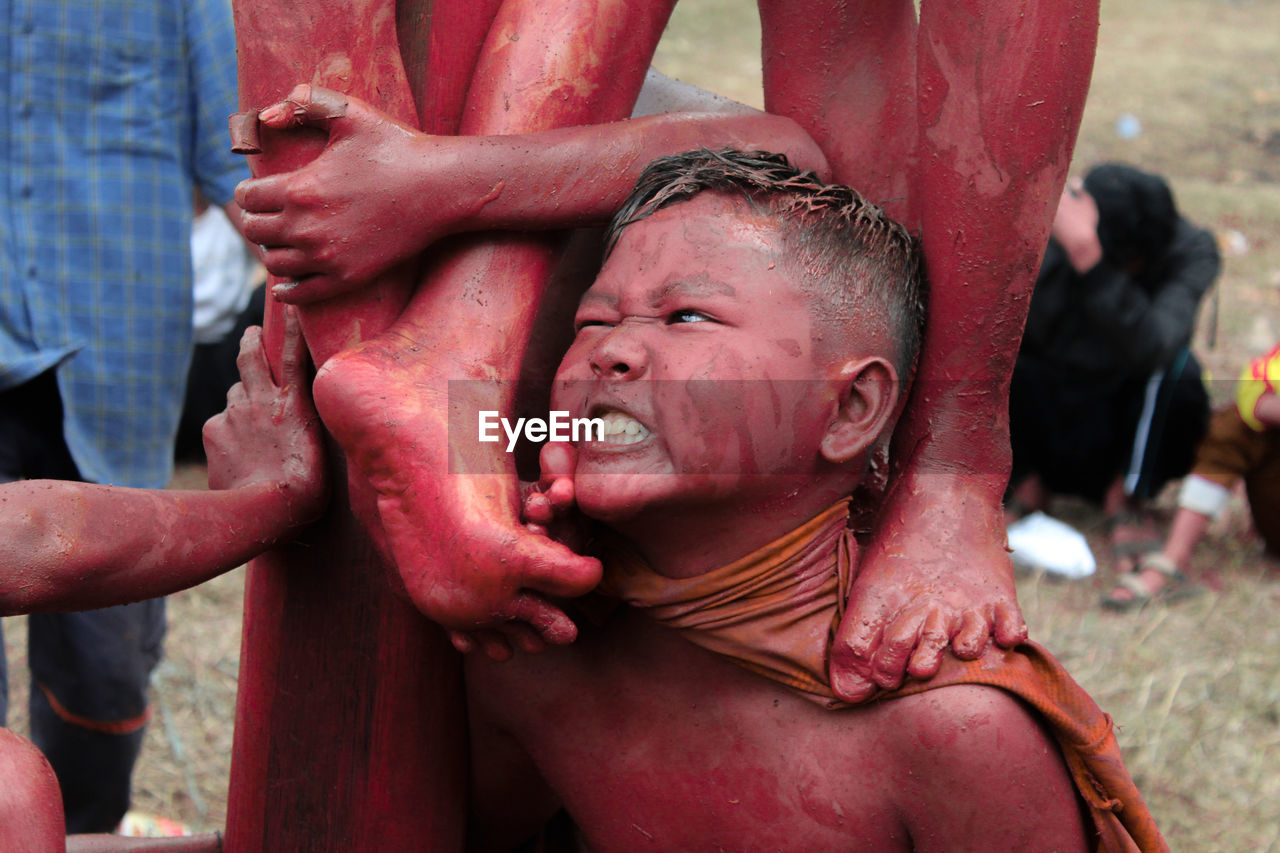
pixel 1194 689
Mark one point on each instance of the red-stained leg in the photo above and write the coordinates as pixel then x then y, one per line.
pixel 349 707
pixel 449 505
pixel 846 73
pixel 1000 90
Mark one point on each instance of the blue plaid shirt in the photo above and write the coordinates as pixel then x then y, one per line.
pixel 112 111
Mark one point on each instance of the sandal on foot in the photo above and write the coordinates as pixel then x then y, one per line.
pixel 1144 538
pixel 1177 586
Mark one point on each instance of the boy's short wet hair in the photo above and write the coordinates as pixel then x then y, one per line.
pixel 852 260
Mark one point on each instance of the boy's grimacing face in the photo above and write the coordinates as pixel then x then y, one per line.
pixel 697 349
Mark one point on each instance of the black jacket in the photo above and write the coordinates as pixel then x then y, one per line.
pixel 1109 325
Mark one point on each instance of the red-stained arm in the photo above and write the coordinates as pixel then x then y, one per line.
pixel 75 546
pixel 415 188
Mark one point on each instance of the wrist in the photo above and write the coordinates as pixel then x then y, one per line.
pixel 263 510
pixel 469 177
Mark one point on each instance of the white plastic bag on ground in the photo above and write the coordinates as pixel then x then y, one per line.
pixel 1041 543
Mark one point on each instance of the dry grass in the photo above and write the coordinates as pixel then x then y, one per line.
pixel 1195 689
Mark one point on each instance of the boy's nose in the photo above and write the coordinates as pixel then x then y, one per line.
pixel 619 355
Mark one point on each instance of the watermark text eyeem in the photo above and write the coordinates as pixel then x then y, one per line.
pixel 558 427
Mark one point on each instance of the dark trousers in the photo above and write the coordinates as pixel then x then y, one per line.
pixel 89 670
pixel 1079 433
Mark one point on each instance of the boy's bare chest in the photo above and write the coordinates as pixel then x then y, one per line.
pixel 651 741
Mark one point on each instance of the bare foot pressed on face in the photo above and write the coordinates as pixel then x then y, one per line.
pixel 464 557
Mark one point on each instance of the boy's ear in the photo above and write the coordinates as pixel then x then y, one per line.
pixel 868 397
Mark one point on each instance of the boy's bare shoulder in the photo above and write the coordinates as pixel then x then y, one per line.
pixel 978 764
pixel 962 717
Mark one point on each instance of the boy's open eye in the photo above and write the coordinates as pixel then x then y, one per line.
pixel 687 315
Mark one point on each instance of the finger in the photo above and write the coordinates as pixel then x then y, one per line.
pixel 306 105
pixel 934 637
pixel 237 398
pixel 262 195
pixel 293 356
pixel 266 229
pixel 1010 628
pixel 971 640
pixel 858 635
pixel 211 434
pixel 288 262
pixel 549 622
pixel 255 373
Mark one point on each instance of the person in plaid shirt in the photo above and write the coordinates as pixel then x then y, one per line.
pixel 112 111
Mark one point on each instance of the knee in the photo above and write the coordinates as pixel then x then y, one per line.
pixel 30 800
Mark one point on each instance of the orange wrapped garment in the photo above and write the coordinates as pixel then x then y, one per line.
pixel 775 611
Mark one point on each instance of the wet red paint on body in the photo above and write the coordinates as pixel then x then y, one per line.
pixel 348 710
pixel 973 179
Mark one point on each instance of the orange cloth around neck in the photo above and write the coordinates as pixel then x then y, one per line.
pixel 775 612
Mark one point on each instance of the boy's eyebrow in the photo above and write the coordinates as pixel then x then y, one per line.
pixel 698 285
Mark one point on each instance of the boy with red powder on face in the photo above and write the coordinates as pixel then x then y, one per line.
pixel 76 546
pixel 745 345
pixel 961 116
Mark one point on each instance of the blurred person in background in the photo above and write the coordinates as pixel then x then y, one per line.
pixel 112 110
pixel 1107 401
pixel 1242 444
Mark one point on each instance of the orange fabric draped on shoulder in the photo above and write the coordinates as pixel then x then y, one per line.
pixel 774 612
